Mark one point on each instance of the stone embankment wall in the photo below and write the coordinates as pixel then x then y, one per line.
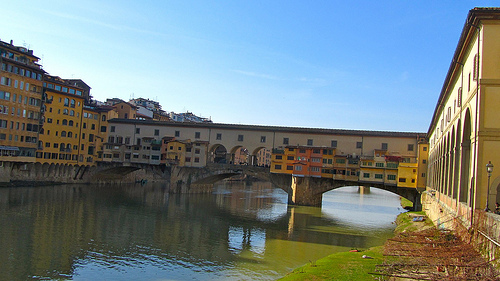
pixel 483 232
pixel 12 173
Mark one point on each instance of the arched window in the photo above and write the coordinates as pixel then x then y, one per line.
pixel 70 123
pixel 66 102
pixel 63 134
pixel 65 111
pixel 62 146
pixel 70 134
pixel 72 103
pixel 72 113
pixel 65 122
pixel 104 118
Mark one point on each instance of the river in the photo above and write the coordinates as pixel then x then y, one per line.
pixel 242 231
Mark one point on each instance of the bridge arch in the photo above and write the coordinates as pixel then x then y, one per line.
pixel 218 154
pixel 261 156
pixel 239 155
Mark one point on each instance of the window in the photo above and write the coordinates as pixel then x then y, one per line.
pixel 475 70
pixel 277 167
pixel 298 168
pixel 309 142
pixel 218 137
pixel 112 129
pixel 289 158
pixel 103 129
pixel 423 175
pixel 424 148
pixel 177 133
pixel 137 130
pixel 157 132
pixel 366 175
pixel 391 177
pixel 359 144
pixel 279 157
pixel 340 161
pixel 285 140
pixel 197 135
pixel 410 147
pixel 197 160
pixel 263 139
pixel 240 137
pixel 424 161
pixel 379 176
pixel 5 81
pixel 384 146
pixel 380 165
pixel 289 168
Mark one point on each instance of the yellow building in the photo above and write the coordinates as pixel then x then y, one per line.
pixel 278 162
pixel 464 134
pixel 423 160
pixel 407 175
pixel 174 152
pixel 20 103
pixel 327 159
pixel 62 134
pixel 126 110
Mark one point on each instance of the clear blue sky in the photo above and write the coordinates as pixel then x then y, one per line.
pixel 374 65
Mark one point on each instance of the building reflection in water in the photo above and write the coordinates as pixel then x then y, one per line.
pixel 104 231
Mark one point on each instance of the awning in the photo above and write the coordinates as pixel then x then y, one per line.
pixel 12 148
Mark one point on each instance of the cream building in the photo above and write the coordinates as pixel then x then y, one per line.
pixel 464 134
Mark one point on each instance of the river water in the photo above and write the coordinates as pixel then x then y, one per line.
pixel 242 231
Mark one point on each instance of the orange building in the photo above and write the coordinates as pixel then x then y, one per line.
pixel 20 103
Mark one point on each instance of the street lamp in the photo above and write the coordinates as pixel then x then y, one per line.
pixel 489 170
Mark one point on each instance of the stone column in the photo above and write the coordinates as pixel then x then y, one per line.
pixel 304 193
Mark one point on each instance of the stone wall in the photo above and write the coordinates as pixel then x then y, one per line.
pixel 483 231
pixel 13 173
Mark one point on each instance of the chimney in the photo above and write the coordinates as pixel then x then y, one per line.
pixel 11 41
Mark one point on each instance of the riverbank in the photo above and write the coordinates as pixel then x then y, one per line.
pixel 418 251
pixel 357 264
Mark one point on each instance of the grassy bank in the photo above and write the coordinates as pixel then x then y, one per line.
pixel 352 265
pixel 340 266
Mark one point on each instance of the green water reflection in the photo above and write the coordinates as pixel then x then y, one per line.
pixel 240 232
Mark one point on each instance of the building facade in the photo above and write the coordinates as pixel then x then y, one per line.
pixel 20 103
pixel 464 134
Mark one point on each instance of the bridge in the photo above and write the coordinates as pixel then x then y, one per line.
pixel 305 191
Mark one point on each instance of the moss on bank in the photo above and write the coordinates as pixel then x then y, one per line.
pixel 340 266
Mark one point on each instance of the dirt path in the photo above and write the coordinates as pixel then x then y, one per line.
pixel 421 252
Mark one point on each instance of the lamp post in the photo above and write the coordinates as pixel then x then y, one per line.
pixel 489 170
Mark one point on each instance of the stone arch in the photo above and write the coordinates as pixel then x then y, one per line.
pixel 454 164
pixel 465 158
pixel 446 164
pixel 218 154
pixel 261 156
pixel 239 155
